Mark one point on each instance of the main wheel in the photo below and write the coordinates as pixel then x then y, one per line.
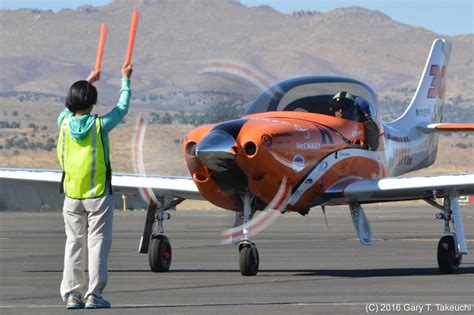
pixel 448 260
pixel 159 254
pixel 249 260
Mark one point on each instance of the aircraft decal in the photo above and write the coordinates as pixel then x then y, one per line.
pixel 282 134
pixel 298 163
pixel 267 140
pixel 325 136
pixel 321 169
pixel 308 145
pixel 423 112
pixel 304 131
pixel 403 157
pixel 438 83
pixel 402 139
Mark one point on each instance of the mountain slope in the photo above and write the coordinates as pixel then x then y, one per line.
pixel 45 51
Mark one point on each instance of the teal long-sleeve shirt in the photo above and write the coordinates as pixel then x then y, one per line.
pixel 80 126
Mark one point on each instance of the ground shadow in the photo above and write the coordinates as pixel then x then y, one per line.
pixel 346 273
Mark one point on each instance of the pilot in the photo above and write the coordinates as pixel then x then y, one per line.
pixel 343 105
pixel 347 106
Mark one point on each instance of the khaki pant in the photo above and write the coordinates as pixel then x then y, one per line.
pixel 88 225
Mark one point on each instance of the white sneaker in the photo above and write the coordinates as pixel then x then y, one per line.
pixel 74 301
pixel 93 301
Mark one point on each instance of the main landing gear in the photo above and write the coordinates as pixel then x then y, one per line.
pixel 248 254
pixel 153 241
pixel 452 245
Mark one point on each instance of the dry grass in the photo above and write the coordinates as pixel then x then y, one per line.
pixel 162 150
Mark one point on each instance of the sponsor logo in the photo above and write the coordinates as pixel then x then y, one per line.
pixel 403 157
pixel 267 140
pixel 323 166
pixel 396 138
pixel 304 131
pixel 298 163
pixel 308 145
pixel 282 134
pixel 325 136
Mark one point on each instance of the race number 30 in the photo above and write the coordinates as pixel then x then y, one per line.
pixel 437 86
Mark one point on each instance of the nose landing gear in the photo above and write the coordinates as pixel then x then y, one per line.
pixel 248 254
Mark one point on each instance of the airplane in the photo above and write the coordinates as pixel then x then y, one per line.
pixel 290 152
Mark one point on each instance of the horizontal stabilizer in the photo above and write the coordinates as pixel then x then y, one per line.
pixel 446 127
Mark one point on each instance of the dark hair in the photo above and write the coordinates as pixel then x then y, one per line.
pixel 81 95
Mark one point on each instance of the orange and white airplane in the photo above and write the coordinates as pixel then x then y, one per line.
pixel 291 151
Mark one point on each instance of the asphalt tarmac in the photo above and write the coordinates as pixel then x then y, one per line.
pixel 305 267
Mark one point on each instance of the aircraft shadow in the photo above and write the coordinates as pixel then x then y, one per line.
pixel 349 273
pixel 384 272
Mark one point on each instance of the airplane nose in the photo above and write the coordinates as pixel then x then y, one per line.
pixel 217 150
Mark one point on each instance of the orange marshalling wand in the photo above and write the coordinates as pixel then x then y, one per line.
pixel 131 38
pixel 100 48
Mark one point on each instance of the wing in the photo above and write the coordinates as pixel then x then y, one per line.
pixel 398 189
pixel 24 189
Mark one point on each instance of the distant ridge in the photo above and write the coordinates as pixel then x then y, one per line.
pixel 43 51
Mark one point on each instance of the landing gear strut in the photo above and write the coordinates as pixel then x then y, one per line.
pixel 452 245
pixel 153 241
pixel 249 260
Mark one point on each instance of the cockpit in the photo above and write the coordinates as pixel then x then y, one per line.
pixel 311 94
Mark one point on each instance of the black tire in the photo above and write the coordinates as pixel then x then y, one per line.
pixel 249 260
pixel 448 260
pixel 159 254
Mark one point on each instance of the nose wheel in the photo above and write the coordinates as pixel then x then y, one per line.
pixel 249 260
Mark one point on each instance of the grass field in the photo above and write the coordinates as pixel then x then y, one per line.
pixel 162 149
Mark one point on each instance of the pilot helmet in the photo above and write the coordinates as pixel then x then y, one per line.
pixel 342 100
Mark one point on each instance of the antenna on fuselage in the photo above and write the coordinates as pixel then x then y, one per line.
pixel 324 213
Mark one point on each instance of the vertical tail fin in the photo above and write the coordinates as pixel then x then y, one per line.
pixel 405 141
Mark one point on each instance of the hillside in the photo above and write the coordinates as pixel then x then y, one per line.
pixel 43 51
pixel 203 55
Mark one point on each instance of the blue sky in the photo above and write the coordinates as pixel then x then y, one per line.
pixel 447 17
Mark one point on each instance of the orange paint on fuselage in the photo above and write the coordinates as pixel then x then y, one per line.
pixel 284 144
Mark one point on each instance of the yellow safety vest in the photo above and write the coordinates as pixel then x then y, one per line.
pixel 85 171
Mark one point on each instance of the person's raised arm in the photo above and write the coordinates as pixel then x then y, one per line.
pixel 93 76
pixel 115 116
